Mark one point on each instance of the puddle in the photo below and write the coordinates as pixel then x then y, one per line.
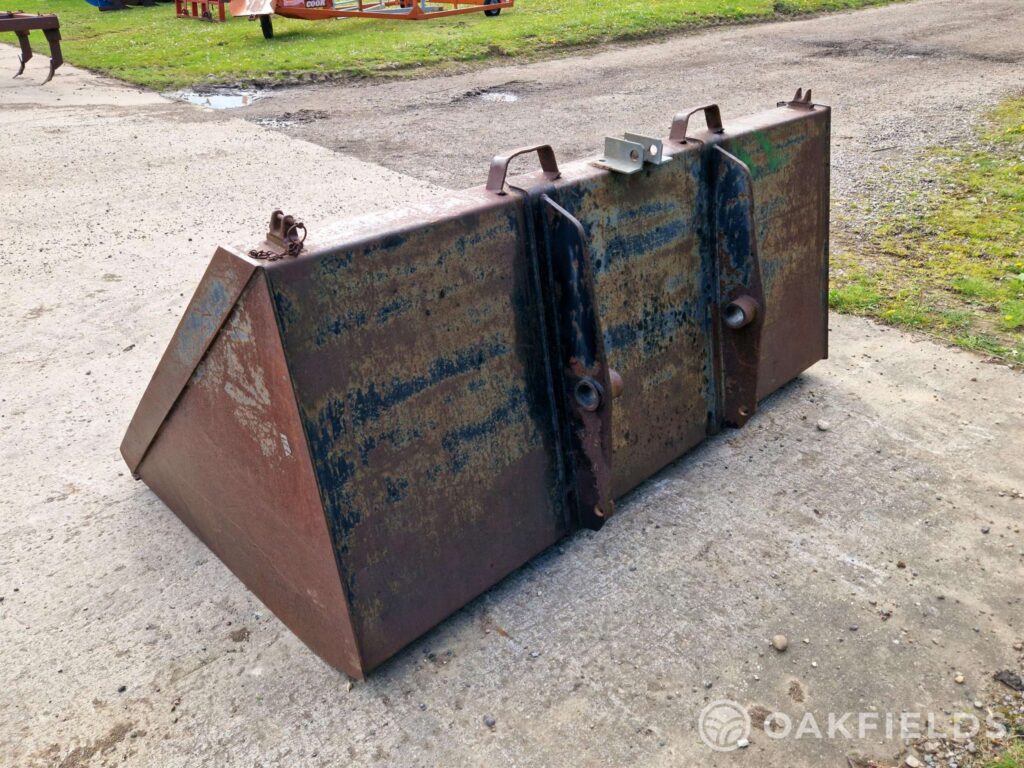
pixel 291 119
pixel 504 93
pixel 499 96
pixel 275 122
pixel 220 99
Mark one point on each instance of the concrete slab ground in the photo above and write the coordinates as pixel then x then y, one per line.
pixel 125 642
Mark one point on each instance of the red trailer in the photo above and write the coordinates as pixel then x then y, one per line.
pixel 401 10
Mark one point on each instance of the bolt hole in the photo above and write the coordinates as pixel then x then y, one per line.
pixel 634 155
pixel 744 411
pixel 735 317
pixel 587 394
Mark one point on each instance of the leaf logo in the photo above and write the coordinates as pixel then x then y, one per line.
pixel 722 724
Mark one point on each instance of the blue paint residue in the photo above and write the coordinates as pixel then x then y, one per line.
pixel 645 211
pixel 396 489
pixel 391 309
pixel 336 326
pixel 367 445
pixel 459 442
pixel 200 322
pixel 334 468
pixel 641 244
pixel 676 282
pixel 331 423
pixel 331 264
pixel 770 269
pixel 733 225
pixel 286 312
pixel 368 404
pixel 650 329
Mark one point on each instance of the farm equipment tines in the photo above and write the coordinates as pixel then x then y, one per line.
pixel 21 24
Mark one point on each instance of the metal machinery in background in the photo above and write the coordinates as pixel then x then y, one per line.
pixel 397 10
pixel 374 425
pixel 122 5
pixel 23 23
pixel 202 10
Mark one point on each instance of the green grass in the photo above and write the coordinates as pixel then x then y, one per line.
pixel 1012 758
pixel 957 269
pixel 151 47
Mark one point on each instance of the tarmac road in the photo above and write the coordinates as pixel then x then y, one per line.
pixel 125 642
pixel 897 77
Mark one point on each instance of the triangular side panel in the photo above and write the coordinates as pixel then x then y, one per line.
pixel 223 282
pixel 231 460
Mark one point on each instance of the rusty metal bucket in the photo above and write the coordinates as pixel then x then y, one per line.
pixel 373 426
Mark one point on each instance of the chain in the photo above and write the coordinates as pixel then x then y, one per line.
pixel 293 250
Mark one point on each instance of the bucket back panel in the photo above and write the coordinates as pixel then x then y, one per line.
pixel 420 377
pixel 645 234
pixel 787 152
pixel 231 461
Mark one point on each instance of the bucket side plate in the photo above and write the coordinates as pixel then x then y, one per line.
pixel 223 282
pixel 231 461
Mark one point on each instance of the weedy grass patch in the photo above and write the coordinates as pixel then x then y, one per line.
pixel 957 269
pixel 1014 758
